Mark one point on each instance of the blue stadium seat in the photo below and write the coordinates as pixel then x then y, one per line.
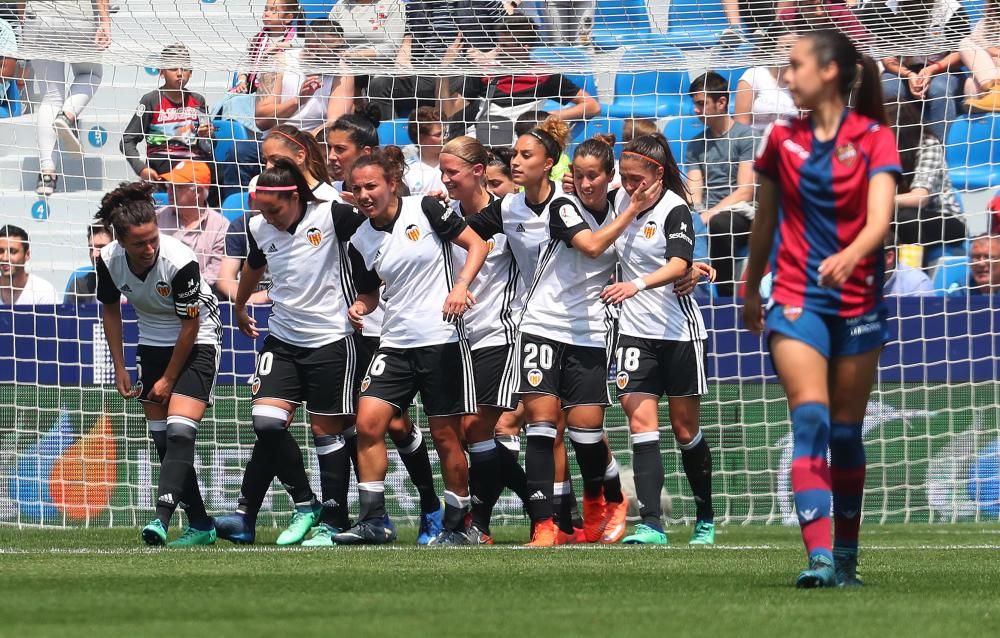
pixel 973 151
pixel 679 131
pixel 316 9
pixel 696 22
pixel 227 132
pixel 235 205
pixel 394 132
pixel 951 275
pixel 937 251
pixel 595 126
pixel 651 93
pixel 974 9
pixel 161 198
pixel 12 106
pixel 568 58
pixel 619 23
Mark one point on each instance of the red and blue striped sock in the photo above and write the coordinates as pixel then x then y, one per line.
pixel 811 476
pixel 847 471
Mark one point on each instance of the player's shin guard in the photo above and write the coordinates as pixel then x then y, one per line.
pixel 592 457
pixel 811 476
pixel 413 452
pixel 371 495
pixel 847 474
pixel 177 469
pixel 484 481
pixel 455 510
pixel 697 460
pixel 540 470
pixel 334 468
pixel 511 472
pixel 647 465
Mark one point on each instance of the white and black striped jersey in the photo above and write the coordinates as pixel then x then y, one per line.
pixel 312 287
pixel 492 321
pixel 413 258
pixel 170 292
pixel 649 242
pixel 372 326
pixel 564 300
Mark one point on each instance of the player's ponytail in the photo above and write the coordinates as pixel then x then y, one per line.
pixel 296 140
pixel 654 151
pixel 552 134
pixel 500 157
pixel 858 75
pixel 129 205
pixel 283 179
pixel 601 147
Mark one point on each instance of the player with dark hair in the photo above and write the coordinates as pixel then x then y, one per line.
pixel 423 348
pixel 832 174
pixel 348 138
pixel 177 358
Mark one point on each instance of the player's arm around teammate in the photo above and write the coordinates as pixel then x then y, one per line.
pixel 178 353
pixel 406 242
pixel 833 175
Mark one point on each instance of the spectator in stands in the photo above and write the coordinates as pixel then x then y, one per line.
pixel 501 99
pixel 499 179
pixel 373 28
pixel 188 218
pixel 928 211
pixel 82 285
pixel 984 260
pixel 761 93
pixel 279 33
pixel 423 174
pixel 73 28
pixel 17 287
pixel 431 27
pixel 172 121
pixel 8 63
pixel 720 176
pixel 981 55
pixel 922 25
pixel 902 280
pixel 799 16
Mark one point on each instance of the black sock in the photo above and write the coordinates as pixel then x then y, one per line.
pixel 485 482
pixel 697 460
pixel 511 472
pixel 592 457
pixel 647 465
pixel 455 510
pixel 351 438
pixel 574 506
pixel 159 436
pixel 562 505
pixel 177 465
pixel 612 480
pixel 291 469
pixel 194 504
pixel 334 468
pixel 413 452
pixel 372 498
pixel 540 470
pixel 259 473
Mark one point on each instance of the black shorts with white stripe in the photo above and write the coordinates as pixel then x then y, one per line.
pixel 442 374
pixel 577 375
pixel 367 347
pixel 323 377
pixel 495 369
pixel 659 367
pixel 197 377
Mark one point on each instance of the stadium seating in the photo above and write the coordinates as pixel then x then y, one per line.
pixel 619 23
pixel 972 151
pixel 227 133
pixel 13 106
pixel 698 22
pixel 394 132
pixel 316 9
pixel 561 58
pixel 235 205
pixel 679 131
pixel 951 276
pixel 692 23
pixel 161 198
pixel 596 126
pixel 650 94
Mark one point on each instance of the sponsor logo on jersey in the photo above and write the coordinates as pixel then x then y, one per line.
pixel 649 230
pixel 367 381
pixel 163 288
pixel 846 154
pixel 520 229
pixel 621 380
pixel 682 235
pixel 413 232
pixel 490 244
pixel 792 313
pixel 255 385
pixel 272 248
pixel 569 216
pixel 796 149
pixel 315 236
pixel 534 377
pixel 192 311
pixel 126 288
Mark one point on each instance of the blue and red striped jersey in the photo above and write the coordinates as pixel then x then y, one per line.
pixel 822 207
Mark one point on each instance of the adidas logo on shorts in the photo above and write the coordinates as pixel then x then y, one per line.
pixel 537 496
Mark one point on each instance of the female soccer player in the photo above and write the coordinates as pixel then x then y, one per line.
pixel 498 176
pixel 833 173
pixel 178 354
pixel 309 354
pixel 406 241
pixel 350 137
pixel 661 341
pixel 491 327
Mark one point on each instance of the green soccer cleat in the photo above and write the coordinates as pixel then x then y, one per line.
pixel 646 535
pixel 845 565
pixel 302 521
pixel 193 537
pixel 154 534
pixel 819 574
pixel 322 536
pixel 704 533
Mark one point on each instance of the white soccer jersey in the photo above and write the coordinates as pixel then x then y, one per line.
pixel 372 326
pixel 413 257
pixel 649 242
pixel 491 322
pixel 311 287
pixel 171 292
pixel 564 301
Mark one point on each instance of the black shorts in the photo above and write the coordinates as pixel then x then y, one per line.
pixel 442 374
pixel 577 375
pixel 323 377
pixel 659 367
pixel 197 377
pixel 367 347
pixel 496 376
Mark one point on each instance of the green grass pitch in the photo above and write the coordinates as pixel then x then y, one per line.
pixel 941 580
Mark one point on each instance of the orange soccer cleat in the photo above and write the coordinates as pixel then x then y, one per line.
pixel 615 514
pixel 576 538
pixel 546 534
pixel 594 518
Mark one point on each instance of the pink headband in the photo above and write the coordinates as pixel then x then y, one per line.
pixel 274 189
